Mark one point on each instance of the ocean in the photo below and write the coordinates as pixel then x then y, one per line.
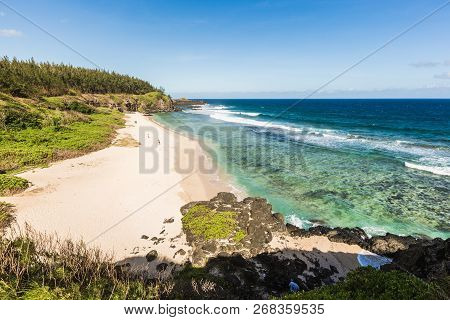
pixel 379 164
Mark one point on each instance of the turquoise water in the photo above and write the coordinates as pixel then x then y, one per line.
pixel 383 165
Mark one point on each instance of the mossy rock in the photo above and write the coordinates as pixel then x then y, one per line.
pixel 210 224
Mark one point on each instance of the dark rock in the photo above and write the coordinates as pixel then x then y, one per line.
pixel 428 260
pixel 225 197
pixel 180 252
pixel 170 220
pixel 210 246
pixel 162 267
pixel 390 244
pixel 152 255
pixel 144 237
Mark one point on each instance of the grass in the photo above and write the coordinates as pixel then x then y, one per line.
pixel 56 138
pixel 371 284
pixel 6 215
pixel 10 184
pixel 38 267
pixel 210 224
pixel 34 133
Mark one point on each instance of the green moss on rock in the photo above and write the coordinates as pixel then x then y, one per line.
pixel 209 224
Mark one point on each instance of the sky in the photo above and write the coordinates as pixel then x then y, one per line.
pixel 243 49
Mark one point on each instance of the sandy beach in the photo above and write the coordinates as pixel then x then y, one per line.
pixel 107 199
pixel 126 199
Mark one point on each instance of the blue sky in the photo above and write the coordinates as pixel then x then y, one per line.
pixel 263 48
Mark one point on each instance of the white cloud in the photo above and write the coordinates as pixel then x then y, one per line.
pixel 425 64
pixel 445 75
pixel 429 64
pixel 9 33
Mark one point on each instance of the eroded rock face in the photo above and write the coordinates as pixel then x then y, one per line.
pixel 429 259
pixel 254 217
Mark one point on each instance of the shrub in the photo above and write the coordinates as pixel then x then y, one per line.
pixel 371 284
pixel 11 184
pixel 6 215
pixel 39 267
pixel 16 117
pixel 79 107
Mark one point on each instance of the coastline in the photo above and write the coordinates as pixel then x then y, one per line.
pixel 78 198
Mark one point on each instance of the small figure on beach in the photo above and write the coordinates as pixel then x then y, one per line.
pixel 293 287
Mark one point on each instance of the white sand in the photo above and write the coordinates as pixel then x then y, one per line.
pixel 105 199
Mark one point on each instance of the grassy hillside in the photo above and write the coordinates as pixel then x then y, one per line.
pixel 50 112
pixel 35 133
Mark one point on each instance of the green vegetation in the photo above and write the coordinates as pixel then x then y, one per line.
pixel 35 267
pixel 31 79
pixel 10 185
pixel 6 215
pixel 34 133
pixel 371 284
pixel 210 224
pixel 239 236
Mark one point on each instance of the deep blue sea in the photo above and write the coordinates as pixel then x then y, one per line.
pixel 379 164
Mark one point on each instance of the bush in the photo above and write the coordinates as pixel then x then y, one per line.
pixel 16 117
pixel 371 284
pixel 10 185
pixel 79 107
pixel 6 215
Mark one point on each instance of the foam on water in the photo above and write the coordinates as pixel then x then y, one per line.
pixel 379 165
pixel 334 139
pixel 443 171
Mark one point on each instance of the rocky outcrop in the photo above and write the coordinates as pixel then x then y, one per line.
pixel 250 266
pixel 429 259
pixel 385 245
pixel 254 218
pixel 148 103
pixel 183 102
pixel 249 262
pixel 266 274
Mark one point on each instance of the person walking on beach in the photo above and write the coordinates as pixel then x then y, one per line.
pixel 293 287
